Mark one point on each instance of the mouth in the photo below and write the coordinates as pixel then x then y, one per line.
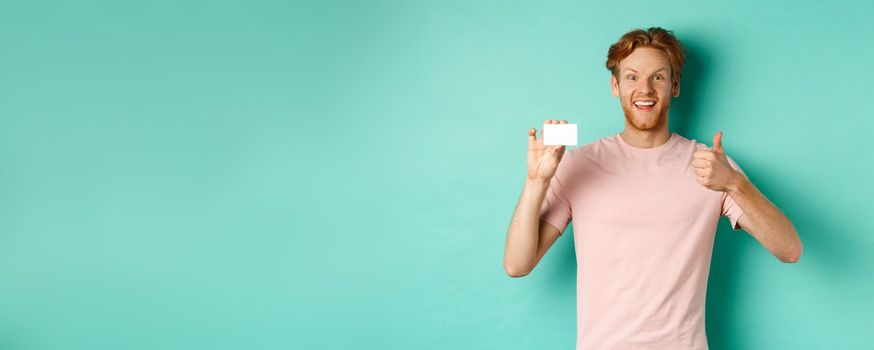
pixel 644 104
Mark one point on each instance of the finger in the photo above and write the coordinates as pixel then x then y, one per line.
pixel 704 155
pixel 532 135
pixel 700 163
pixel 717 142
pixel 564 121
pixel 701 155
pixel 543 131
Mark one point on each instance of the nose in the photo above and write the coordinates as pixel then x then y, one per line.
pixel 646 87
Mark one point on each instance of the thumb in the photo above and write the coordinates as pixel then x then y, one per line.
pixel 717 142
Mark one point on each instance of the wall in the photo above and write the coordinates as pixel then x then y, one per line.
pixel 327 175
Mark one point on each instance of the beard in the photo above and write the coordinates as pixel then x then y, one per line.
pixel 645 121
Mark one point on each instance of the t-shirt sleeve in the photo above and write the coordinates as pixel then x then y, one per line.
pixel 729 207
pixel 556 209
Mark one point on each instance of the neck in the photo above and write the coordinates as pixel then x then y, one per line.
pixel 645 138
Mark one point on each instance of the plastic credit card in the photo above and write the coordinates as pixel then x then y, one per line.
pixel 559 134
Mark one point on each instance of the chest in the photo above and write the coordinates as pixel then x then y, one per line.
pixel 641 198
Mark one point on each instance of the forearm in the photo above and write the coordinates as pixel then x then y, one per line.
pixel 523 234
pixel 766 222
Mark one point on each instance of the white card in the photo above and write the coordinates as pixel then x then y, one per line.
pixel 559 134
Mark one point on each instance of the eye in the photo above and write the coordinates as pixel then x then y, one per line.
pixel 630 77
pixel 658 77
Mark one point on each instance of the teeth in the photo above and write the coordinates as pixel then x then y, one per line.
pixel 644 103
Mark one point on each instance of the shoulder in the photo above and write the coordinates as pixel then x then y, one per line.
pixel 689 145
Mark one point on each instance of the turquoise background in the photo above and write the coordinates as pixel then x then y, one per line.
pixel 334 175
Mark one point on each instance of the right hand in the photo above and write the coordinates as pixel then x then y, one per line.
pixel 543 160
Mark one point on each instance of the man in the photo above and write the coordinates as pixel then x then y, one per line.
pixel 645 205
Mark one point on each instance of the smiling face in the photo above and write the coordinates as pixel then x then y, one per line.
pixel 645 86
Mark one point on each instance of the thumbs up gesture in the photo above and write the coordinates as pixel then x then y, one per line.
pixel 712 169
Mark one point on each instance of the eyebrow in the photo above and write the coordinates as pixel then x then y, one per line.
pixel 629 69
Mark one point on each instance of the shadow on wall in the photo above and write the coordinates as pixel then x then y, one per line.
pixel 826 239
pixel 695 76
pixel 725 271
pixel 827 258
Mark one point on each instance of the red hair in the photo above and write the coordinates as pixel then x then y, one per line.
pixel 653 37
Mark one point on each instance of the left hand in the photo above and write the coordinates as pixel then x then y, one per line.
pixel 712 169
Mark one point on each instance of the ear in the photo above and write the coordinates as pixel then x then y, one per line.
pixel 675 88
pixel 614 85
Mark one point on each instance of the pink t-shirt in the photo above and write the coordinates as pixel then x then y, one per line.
pixel 643 233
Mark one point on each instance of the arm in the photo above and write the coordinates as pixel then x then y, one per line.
pixel 760 217
pixel 764 220
pixel 528 238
